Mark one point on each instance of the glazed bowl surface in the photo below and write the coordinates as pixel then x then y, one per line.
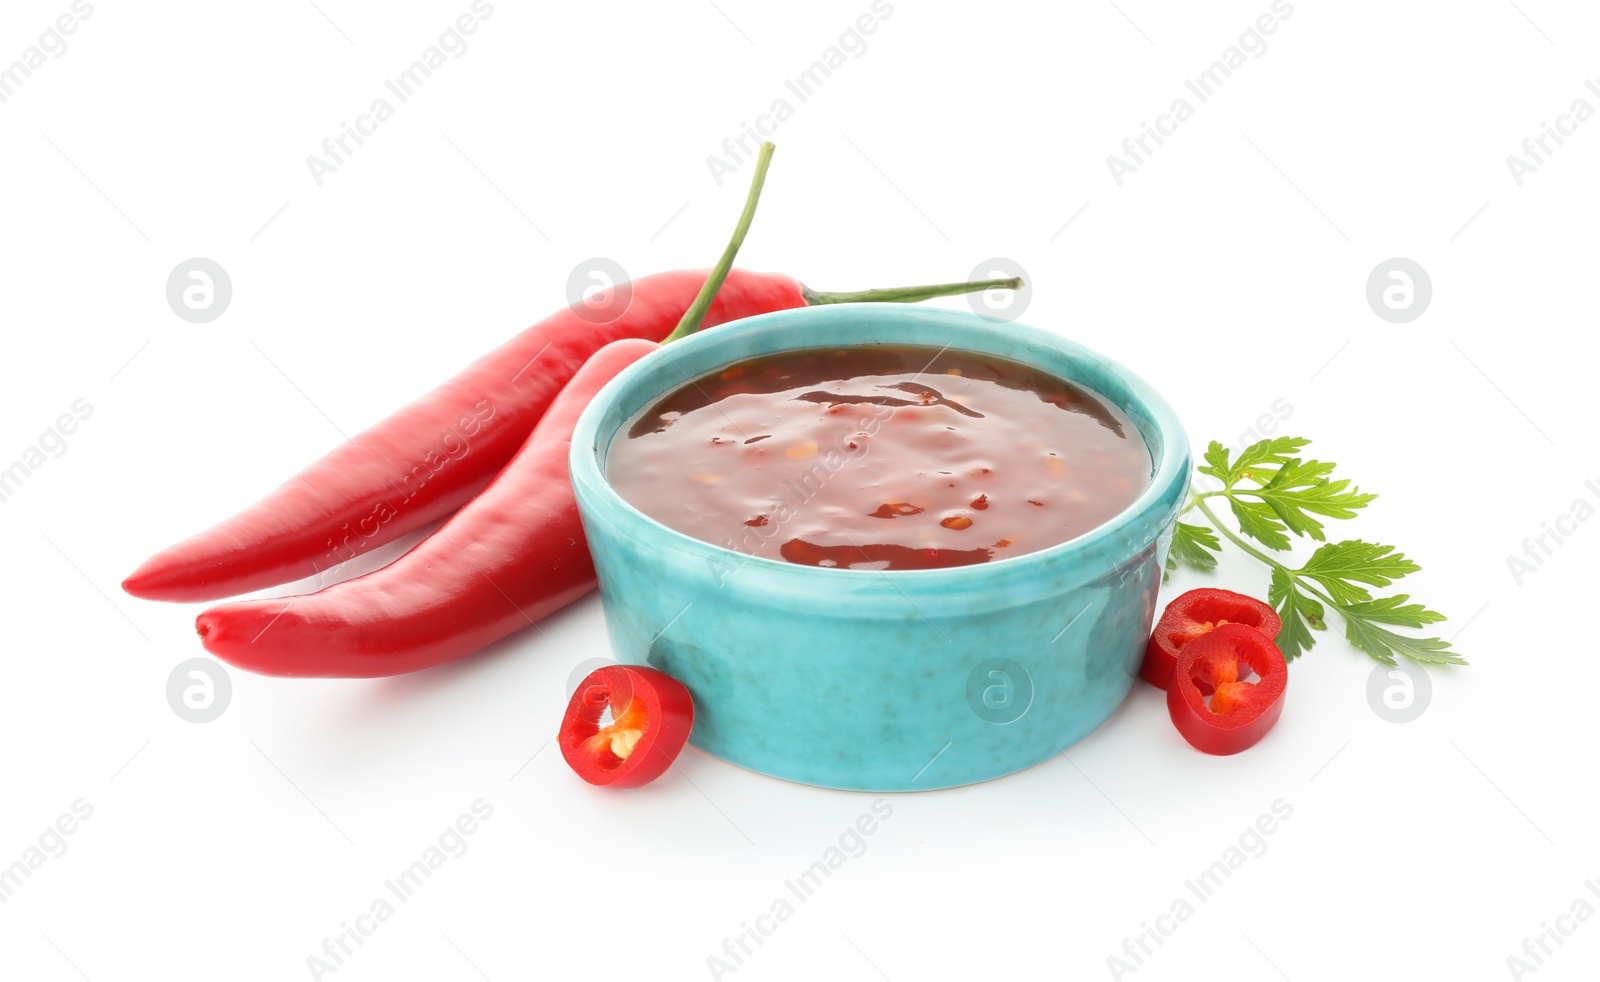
pixel 883 680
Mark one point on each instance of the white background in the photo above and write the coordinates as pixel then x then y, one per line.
pixel 1229 270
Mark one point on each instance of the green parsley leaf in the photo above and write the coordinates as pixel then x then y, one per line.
pixel 1258 521
pixel 1299 612
pixel 1271 453
pixel 1384 644
pixel 1340 566
pixel 1259 459
pixel 1195 545
pixel 1217 459
pixel 1300 489
pixel 1274 493
pixel 1394 610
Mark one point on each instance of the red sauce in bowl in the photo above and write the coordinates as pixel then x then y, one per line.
pixel 880 457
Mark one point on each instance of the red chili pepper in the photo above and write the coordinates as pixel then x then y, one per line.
pixel 509 558
pixel 436 454
pixel 1241 712
pixel 513 555
pixel 651 716
pixel 1192 615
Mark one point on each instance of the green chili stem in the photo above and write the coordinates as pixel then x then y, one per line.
pixel 910 294
pixel 708 292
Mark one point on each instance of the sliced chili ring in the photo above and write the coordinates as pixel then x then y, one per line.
pixel 1194 614
pixel 1240 712
pixel 625 725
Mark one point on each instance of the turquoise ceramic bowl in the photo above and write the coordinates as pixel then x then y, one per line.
pixel 883 681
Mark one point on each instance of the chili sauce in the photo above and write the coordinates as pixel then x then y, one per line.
pixel 878 457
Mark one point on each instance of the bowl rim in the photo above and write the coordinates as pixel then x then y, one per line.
pixel 1171 467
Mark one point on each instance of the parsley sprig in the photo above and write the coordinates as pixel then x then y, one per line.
pixel 1272 493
